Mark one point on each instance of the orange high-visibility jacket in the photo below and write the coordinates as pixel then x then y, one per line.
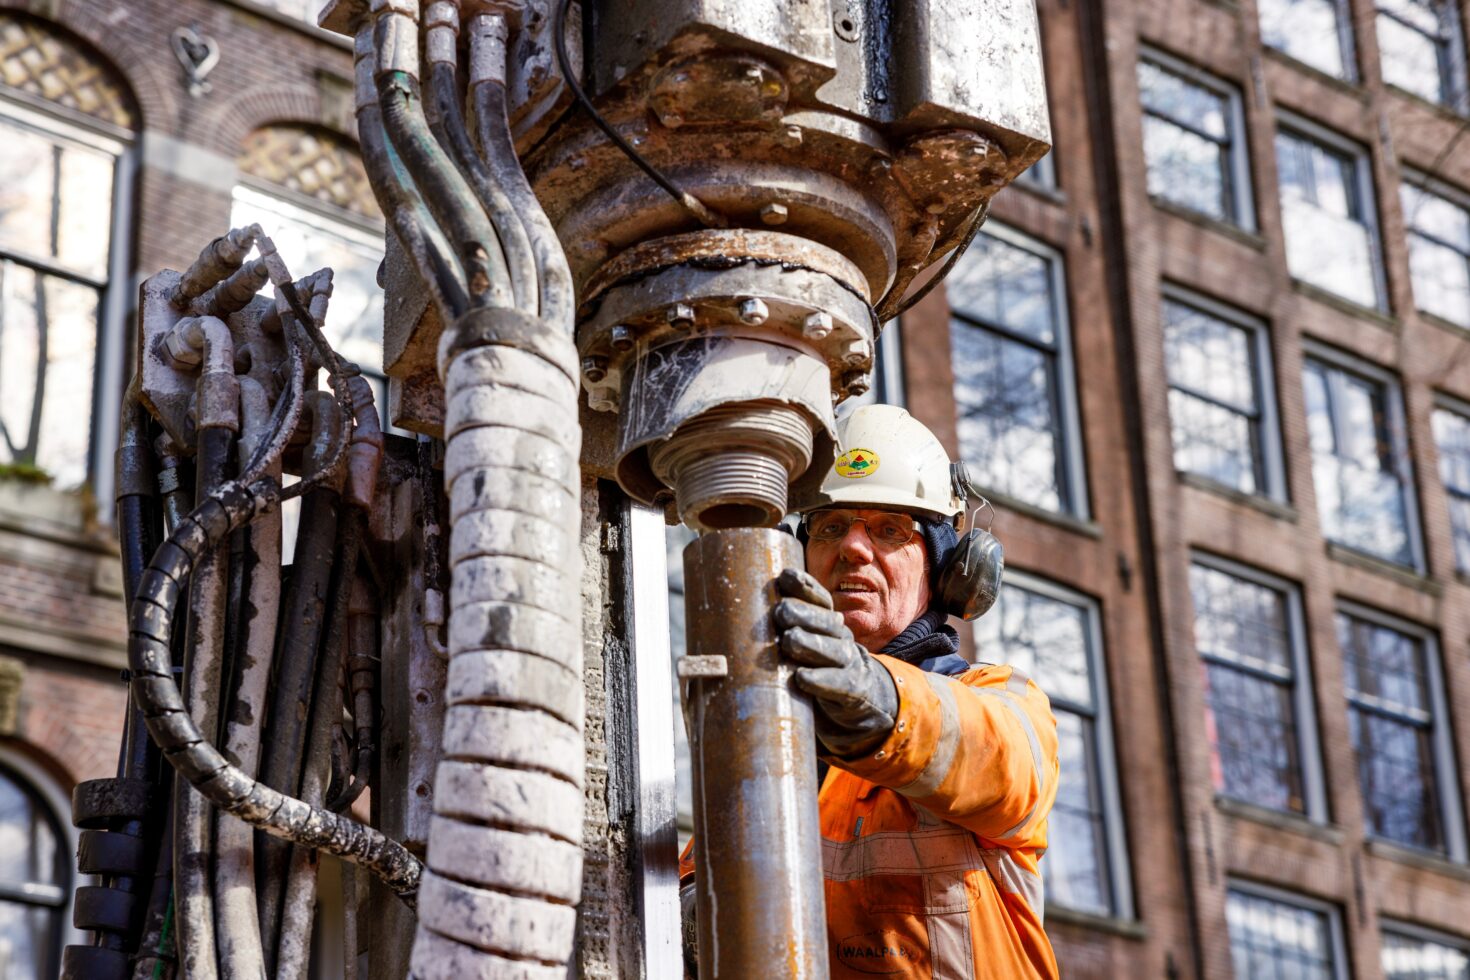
pixel 930 842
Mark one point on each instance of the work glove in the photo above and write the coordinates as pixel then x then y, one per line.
pixel 855 697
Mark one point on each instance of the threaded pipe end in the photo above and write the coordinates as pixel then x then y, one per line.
pixel 732 466
pixel 731 489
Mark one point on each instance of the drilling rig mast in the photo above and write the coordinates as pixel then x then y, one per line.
pixel 649 241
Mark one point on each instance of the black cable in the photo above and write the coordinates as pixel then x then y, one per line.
pixel 688 201
pixel 900 306
pixel 195 757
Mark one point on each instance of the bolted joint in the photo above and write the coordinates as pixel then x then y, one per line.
pixel 594 369
pixel 817 325
pixel 774 214
pixel 681 316
pixel 857 353
pixel 856 383
pixel 621 337
pixel 753 311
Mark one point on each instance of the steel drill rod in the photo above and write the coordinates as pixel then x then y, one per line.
pixel 757 838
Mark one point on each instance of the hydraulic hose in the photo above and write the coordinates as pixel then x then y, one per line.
pixel 151 622
pixel 505 842
pixel 303 618
pixel 236 919
pixel 448 196
pixel 448 125
pixel 203 673
pixel 294 946
pixel 488 43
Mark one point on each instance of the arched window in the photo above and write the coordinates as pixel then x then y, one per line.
pixel 35 878
pixel 66 122
pixel 308 189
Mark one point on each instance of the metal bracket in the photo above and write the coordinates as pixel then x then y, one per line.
pixel 690 667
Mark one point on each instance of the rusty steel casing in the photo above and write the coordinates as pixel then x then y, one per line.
pixel 757 839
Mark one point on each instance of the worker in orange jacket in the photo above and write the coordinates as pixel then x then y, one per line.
pixel 939 775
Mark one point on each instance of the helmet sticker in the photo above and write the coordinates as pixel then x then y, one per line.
pixel 856 464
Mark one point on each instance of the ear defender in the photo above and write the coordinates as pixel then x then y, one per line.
pixel 969 583
pixel 970 580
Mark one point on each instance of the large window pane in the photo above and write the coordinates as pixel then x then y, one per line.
pixel 1049 636
pixel 1003 284
pixel 1311 31
pixel 34 868
pixel 1215 401
pixel 1007 423
pixel 1357 462
pixel 1271 939
pixel 48 338
pixel 1417 47
pixel 1189 141
pixel 1452 436
pixel 309 239
pixel 55 231
pixel 1326 217
pixel 1439 253
pixel 1413 957
pixel 1007 346
pixel 1243 632
pixel 1392 724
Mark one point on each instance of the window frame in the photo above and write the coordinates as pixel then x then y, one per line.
pixel 1240 194
pixel 1444 402
pixel 1426 184
pixel 45 789
pixel 1273 482
pixel 1347 44
pixel 1072 495
pixel 114 291
pixel 1336 933
pixel 1449 55
pixel 1303 128
pixel 1302 681
pixel 356 223
pixel 1418 933
pixel 1400 447
pixel 1104 756
pixel 1446 774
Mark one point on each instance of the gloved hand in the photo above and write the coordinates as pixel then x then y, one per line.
pixel 856 700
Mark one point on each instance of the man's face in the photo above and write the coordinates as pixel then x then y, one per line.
pixel 878 587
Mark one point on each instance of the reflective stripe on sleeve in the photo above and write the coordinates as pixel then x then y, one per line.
pixel 1010 701
pixel 1008 875
pixel 927 782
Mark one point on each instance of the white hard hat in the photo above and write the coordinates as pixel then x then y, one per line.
pixel 886 458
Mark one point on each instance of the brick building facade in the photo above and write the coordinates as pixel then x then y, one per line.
pixel 140 165
pixel 1209 361
pixel 1229 470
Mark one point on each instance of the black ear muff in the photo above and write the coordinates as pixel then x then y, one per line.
pixel 970 580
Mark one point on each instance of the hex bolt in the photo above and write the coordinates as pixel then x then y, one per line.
pixel 594 369
pixel 817 325
pixel 774 214
pixel 681 316
pixel 603 399
pixel 857 353
pixel 858 386
pixel 793 135
pixel 753 311
pixel 621 337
